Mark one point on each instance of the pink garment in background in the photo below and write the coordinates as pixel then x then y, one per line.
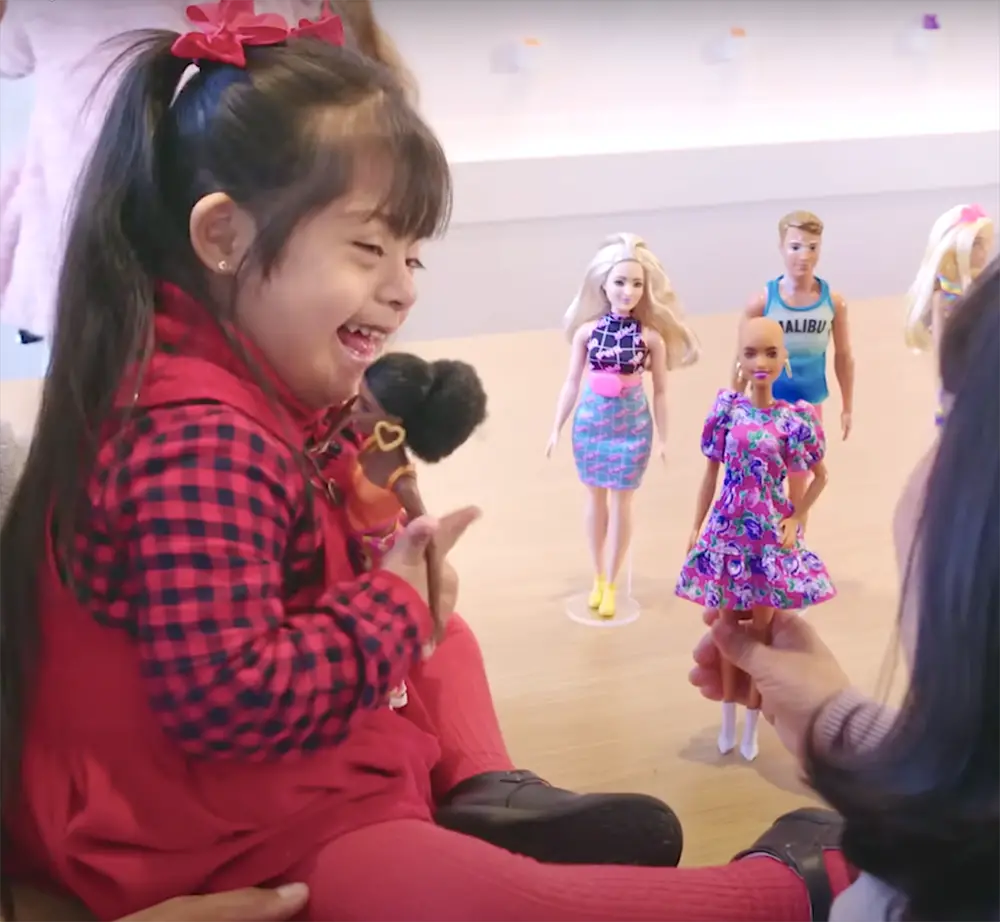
pixel 58 43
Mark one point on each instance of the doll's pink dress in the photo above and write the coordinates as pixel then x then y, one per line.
pixel 738 563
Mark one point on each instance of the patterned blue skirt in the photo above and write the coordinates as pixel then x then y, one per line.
pixel 612 438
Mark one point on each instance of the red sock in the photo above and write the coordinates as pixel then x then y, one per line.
pixel 450 697
pixel 841 874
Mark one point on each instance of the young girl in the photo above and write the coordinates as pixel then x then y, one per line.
pixel 65 47
pixel 624 319
pixel 195 679
pixel 750 559
pixel 958 248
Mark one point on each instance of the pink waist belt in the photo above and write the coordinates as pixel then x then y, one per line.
pixel 611 383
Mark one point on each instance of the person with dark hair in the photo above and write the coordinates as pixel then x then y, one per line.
pixel 194 679
pixel 917 787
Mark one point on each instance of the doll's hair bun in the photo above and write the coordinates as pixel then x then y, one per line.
pixel 439 403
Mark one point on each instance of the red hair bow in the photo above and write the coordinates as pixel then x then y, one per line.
pixel 228 26
pixel 328 28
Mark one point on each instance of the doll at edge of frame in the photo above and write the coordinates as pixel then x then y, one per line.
pixel 958 248
pixel 746 556
pixel 624 320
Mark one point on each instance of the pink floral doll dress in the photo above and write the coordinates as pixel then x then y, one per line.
pixel 739 563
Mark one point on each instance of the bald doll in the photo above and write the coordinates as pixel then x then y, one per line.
pixel 749 559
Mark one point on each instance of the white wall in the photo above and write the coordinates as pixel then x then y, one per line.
pixel 623 126
pixel 618 75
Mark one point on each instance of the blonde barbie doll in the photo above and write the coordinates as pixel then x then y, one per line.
pixel 957 250
pixel 624 319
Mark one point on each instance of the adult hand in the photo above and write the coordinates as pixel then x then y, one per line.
pixel 407 558
pixel 661 451
pixel 551 446
pixel 795 675
pixel 250 905
pixel 693 539
pixel 845 424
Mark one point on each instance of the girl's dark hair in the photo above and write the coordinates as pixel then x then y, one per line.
pixel 440 404
pixel 283 137
pixel 922 808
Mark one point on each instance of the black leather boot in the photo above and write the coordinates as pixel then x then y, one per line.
pixel 799 839
pixel 521 813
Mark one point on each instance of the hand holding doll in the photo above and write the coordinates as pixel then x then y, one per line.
pixel 430 408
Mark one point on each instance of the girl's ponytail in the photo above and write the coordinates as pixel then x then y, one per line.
pixel 103 324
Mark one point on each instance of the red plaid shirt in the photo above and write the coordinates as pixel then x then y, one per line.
pixel 202 544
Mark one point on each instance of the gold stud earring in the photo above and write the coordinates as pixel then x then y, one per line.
pixel 788 367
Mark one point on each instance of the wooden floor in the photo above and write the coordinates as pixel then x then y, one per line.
pixel 602 710
pixel 611 709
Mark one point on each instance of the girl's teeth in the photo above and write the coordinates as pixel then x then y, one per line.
pixel 368 332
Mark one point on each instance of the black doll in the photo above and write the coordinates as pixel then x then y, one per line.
pixel 407 405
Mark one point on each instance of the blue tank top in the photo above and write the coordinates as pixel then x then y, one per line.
pixel 807 336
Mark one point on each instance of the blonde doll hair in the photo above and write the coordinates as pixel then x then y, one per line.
pixel 947 254
pixel 658 308
pixel 802 220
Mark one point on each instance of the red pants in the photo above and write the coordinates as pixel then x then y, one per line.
pixel 412 870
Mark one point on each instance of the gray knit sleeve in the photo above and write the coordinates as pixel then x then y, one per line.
pixel 862 720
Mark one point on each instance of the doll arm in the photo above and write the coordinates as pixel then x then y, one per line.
pixel 706 493
pixel 817 485
pixel 843 355
pixel 571 387
pixel 658 360
pixel 754 308
pixel 408 494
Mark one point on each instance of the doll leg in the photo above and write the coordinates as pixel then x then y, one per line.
pixel 760 628
pixel 730 680
pixel 597 533
pixel 620 533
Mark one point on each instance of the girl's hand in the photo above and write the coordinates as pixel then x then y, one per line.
pixel 551 446
pixel 407 558
pixel 661 451
pixel 253 904
pixel 693 539
pixel 796 674
pixel 788 531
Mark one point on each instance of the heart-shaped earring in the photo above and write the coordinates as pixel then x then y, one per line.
pixel 388 436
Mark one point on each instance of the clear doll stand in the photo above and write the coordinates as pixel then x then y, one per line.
pixel 627 609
